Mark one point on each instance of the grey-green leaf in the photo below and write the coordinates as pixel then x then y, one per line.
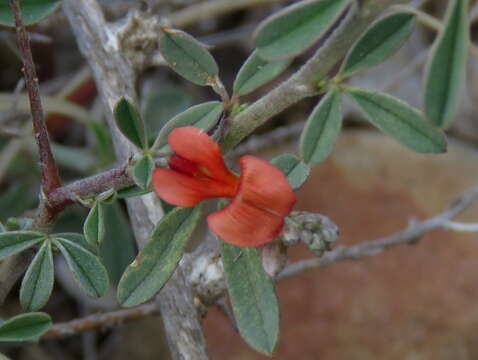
pixel 131 191
pixel 253 297
pixel 399 120
pixel 380 41
pixel 322 129
pixel 294 168
pixel 188 57
pixel 158 259
pixel 142 171
pixel 78 239
pixel 94 226
pixel 87 269
pixel 204 116
pixel 13 242
pixel 130 123
pixel 37 283
pixel 446 66
pixel 294 29
pixel 256 72
pixel 25 327
pixel 2 228
pixel 32 11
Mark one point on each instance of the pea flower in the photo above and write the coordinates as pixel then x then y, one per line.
pixel 261 195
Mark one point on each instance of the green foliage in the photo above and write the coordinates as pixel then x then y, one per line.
pixel 16 241
pixel 131 191
pixel 399 120
pixel 25 327
pixel 102 142
pixel 37 283
pixel 380 41
pixel 32 11
pixel 188 57
pixel 256 72
pixel 294 29
pixel 295 169
pixel 204 116
pixel 446 66
pixel 130 123
pixel 322 129
pixel 118 248
pixel 142 171
pixel 87 269
pixel 253 297
pixel 162 105
pixel 157 260
pixel 94 226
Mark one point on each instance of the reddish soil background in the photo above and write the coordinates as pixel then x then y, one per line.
pixel 411 302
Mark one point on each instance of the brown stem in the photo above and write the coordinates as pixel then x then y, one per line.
pixel 49 169
pixel 96 321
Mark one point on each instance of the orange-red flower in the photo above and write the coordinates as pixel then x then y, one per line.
pixel 261 195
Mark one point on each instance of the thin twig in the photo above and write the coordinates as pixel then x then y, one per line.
pixel 50 175
pixel 99 321
pixel 411 234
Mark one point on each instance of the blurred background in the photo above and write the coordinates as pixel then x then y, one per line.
pixel 414 302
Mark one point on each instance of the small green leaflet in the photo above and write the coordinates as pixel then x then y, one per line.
pixel 130 123
pixel 204 116
pixel 256 72
pixel 322 129
pixel 87 269
pixel 188 57
pixel 131 191
pixel 142 171
pixel 296 171
pixel 380 41
pixel 446 67
pixel 253 297
pixel 157 261
pixel 294 29
pixel 13 242
pixel 25 327
pixel 94 226
pixel 399 120
pixel 32 11
pixel 37 283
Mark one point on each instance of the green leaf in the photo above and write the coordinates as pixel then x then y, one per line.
pixel 380 41
pixel 16 241
pixel 142 171
pixel 131 191
pixel 322 129
pixel 94 226
pixel 87 269
pixel 118 249
pixel 130 123
pixel 25 327
pixel 78 239
pixel 32 11
pixel 256 72
pixel 157 261
pixel 37 283
pixel 294 29
pixel 253 298
pixel 446 67
pixel 188 57
pixel 2 228
pixel 399 120
pixel 161 105
pixel 204 116
pixel 295 169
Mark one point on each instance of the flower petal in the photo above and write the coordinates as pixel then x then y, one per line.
pixel 242 224
pixel 184 190
pixel 264 186
pixel 195 145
